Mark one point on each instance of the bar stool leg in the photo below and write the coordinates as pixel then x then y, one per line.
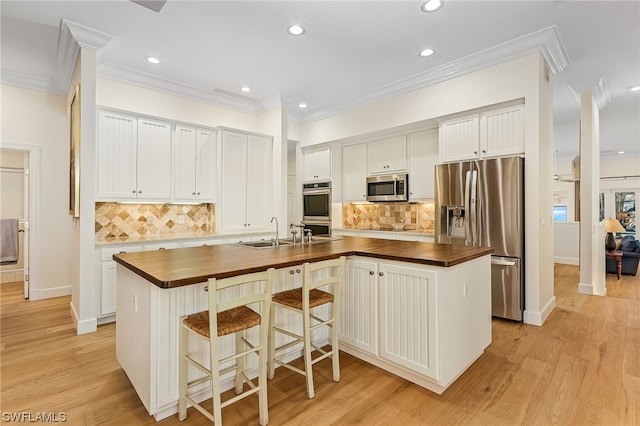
pixel 272 342
pixel 215 382
pixel 308 366
pixel 182 373
pixel 262 376
pixel 335 356
pixel 239 380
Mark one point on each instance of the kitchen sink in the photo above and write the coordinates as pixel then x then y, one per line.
pixel 283 242
pixel 261 244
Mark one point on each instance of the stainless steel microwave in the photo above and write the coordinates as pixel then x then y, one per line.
pixel 388 188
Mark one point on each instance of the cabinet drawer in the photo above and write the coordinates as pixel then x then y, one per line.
pixel 162 246
pixel 108 252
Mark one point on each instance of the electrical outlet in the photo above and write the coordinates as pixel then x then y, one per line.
pixel 465 290
pixel 135 302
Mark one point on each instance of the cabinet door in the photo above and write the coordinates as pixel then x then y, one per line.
pixel 317 165
pixel 117 141
pixel 460 139
pixel 408 318
pixel 423 156
pixel 387 155
pixel 354 173
pixel 154 160
pixel 359 306
pixel 259 170
pixel 108 288
pixel 234 181
pixel 205 165
pixel 502 132
pixel 184 157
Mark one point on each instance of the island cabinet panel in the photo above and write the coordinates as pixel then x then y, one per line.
pixel 408 315
pixel 359 305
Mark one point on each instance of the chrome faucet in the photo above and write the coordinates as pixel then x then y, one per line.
pixel 276 240
pixel 301 226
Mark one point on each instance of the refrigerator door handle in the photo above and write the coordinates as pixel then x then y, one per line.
pixel 467 221
pixel 502 262
pixel 474 207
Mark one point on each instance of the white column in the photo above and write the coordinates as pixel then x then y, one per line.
pixel 592 277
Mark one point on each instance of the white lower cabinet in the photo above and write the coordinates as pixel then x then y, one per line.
pixel 358 325
pixel 424 323
pixel 408 318
pixel 107 276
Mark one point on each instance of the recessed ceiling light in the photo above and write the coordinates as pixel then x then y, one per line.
pixel 431 5
pixel 635 87
pixel 296 30
pixel 153 60
pixel 302 105
pixel 245 88
pixel 620 152
pixel 427 52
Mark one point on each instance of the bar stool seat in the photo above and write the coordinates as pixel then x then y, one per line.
pixel 326 274
pixel 228 315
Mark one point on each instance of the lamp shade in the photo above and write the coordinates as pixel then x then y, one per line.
pixel 612 225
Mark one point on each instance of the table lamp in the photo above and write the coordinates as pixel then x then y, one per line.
pixel 611 226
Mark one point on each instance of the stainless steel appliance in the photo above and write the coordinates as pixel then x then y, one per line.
pixel 481 203
pixel 388 188
pixel 316 201
pixel 316 207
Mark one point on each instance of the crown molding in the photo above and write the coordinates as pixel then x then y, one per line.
pixel 545 41
pixel 87 37
pixel 27 81
pixel 129 76
pixel 601 94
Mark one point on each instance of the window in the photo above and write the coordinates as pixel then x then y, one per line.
pixel 560 213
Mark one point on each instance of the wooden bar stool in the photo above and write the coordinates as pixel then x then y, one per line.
pixel 326 273
pixel 228 313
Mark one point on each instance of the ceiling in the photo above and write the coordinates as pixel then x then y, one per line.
pixel 353 52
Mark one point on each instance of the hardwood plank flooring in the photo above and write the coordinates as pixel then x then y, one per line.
pixel 581 368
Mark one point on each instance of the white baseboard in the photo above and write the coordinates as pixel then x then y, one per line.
pixel 589 289
pixel 49 293
pixel 538 318
pixel 85 326
pixel 11 275
pixel 567 260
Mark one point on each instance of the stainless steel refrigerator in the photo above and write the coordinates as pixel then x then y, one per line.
pixel 481 203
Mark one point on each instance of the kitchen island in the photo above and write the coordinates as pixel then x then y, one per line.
pixel 419 310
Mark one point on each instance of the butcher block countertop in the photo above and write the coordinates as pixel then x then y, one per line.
pixel 184 266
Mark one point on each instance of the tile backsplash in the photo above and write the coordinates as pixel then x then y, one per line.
pixel 389 216
pixel 140 220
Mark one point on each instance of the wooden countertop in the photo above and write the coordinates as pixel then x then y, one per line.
pixel 192 265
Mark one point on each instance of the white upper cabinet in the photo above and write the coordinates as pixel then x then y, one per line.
pixel 354 173
pixel 422 148
pixel 195 164
pixel 460 139
pixel 245 181
pixel 154 159
pixel 134 158
pixel 502 132
pixel 317 164
pixel 494 133
pixel 387 155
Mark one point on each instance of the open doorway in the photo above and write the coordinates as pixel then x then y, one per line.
pixel 15 212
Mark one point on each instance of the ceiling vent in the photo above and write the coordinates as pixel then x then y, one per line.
pixel 154 5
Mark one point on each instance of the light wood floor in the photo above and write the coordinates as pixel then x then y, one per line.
pixel 582 367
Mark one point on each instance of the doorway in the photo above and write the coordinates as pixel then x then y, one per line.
pixel 15 199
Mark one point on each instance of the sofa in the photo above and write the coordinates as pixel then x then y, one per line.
pixel 630 247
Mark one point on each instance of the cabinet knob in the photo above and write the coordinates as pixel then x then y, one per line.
pixel 161 248
pixel 292 272
pixel 381 274
pixel 198 193
pixel 484 151
pixel 206 288
pixel 122 252
pixel 193 193
pixel 139 192
pixel 133 192
pixel 371 273
pixel 475 152
pixel 297 271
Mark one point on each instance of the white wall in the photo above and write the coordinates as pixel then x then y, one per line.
pixel 566 242
pixel 517 79
pixel 38 120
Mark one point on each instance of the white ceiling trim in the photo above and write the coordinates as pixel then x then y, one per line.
pixel 28 81
pixel 126 75
pixel 546 41
pixel 601 93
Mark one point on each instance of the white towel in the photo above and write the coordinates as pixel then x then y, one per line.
pixel 8 241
